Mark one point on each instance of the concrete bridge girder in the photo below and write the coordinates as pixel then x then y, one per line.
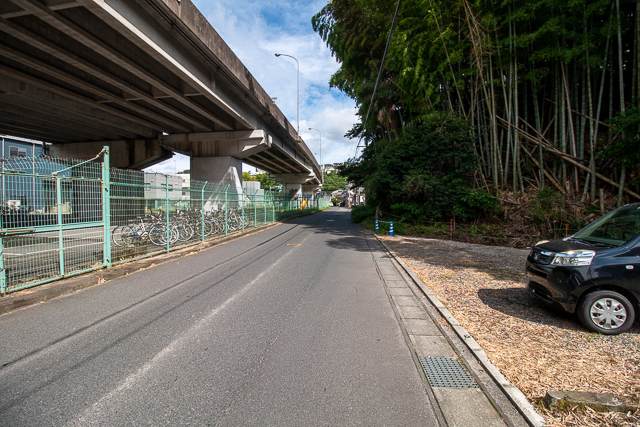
pixel 293 183
pixel 129 72
pixel 238 144
pixel 125 154
pixel 254 147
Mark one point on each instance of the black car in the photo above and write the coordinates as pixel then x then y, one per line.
pixel 595 273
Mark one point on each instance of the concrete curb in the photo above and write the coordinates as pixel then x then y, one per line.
pixel 64 286
pixel 514 394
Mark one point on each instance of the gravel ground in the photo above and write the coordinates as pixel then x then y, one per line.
pixel 536 347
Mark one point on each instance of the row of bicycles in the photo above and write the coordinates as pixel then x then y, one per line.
pixel 182 226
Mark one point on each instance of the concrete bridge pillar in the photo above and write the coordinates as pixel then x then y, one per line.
pixel 292 183
pixel 310 189
pixel 218 170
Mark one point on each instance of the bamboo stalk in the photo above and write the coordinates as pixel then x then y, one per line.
pixel 568 158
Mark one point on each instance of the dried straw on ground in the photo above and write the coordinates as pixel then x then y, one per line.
pixel 535 347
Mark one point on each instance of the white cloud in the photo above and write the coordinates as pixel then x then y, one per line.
pixel 258 29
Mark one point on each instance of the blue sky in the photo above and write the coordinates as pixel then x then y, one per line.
pixel 258 29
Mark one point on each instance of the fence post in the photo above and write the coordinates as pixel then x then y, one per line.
pixel 242 218
pixel 226 210
pixel 202 208
pixel 166 203
pixel 59 212
pixel 106 206
pixel 3 273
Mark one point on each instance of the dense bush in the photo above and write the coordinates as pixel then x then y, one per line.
pixel 426 174
pixel 360 213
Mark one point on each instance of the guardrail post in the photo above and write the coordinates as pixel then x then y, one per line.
pixel 377 226
pixel 391 229
pixel 106 206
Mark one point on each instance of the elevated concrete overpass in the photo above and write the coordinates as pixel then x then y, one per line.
pixel 148 78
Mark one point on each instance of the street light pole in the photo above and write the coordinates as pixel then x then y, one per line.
pixel 298 117
pixel 321 162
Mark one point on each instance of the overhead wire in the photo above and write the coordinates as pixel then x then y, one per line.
pixel 384 58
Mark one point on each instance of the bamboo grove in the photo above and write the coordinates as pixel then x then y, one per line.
pixel 551 87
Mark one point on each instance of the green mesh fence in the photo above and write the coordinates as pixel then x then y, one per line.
pixel 60 217
pixel 51 220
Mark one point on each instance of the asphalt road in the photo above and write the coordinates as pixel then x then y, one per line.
pixel 290 326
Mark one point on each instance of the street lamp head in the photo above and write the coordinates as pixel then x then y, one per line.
pixel 278 54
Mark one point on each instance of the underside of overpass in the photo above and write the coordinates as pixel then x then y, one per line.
pixel 147 77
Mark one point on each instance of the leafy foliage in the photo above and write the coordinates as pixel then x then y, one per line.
pixel 525 73
pixel 626 148
pixel 427 173
pixel 333 181
pixel 263 178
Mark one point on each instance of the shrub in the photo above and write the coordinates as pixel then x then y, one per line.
pixel 360 213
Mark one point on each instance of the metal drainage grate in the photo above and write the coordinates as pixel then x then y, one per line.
pixel 383 260
pixel 443 372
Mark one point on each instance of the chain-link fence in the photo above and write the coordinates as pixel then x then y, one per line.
pixel 61 217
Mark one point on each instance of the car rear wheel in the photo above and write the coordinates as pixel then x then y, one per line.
pixel 606 312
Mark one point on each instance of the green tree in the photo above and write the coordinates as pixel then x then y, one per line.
pixel 263 178
pixel 426 174
pixel 333 181
pixel 536 78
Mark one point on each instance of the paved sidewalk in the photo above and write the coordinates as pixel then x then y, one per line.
pixel 459 390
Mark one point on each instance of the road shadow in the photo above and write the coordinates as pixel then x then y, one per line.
pixel 337 224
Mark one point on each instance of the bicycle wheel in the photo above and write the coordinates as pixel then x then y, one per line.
pixel 128 235
pixel 116 236
pixel 218 226
pixel 208 227
pixel 200 231
pixel 185 231
pixel 158 235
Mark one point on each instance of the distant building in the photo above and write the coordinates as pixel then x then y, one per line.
pixel 186 185
pixel 329 168
pixel 13 146
pixel 255 172
pixel 158 186
pixel 27 187
pixel 356 195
